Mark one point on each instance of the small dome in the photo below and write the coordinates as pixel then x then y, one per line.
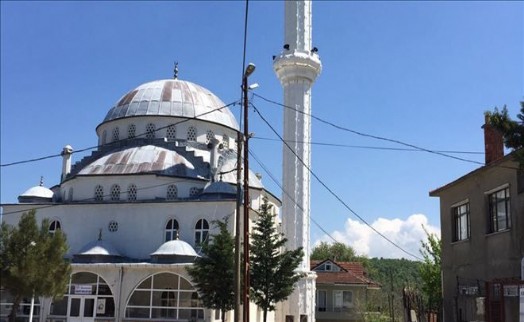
pixel 175 247
pixel 172 97
pixel 98 248
pixel 219 189
pixel 36 194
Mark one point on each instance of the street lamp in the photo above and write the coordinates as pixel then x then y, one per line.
pixel 249 70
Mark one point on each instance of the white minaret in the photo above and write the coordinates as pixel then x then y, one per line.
pixel 297 67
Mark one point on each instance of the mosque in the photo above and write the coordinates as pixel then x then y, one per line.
pixel 137 209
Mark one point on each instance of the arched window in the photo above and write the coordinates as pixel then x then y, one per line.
pixel 225 141
pixel 98 300
pixel 209 135
pixel 54 226
pixel 116 134
pixel 99 193
pixel 150 131
pixel 131 192
pixel 194 191
pixel 115 192
pixel 201 231
pixel 171 132
pixel 131 131
pixel 171 230
pixel 104 137
pixel 163 296
pixel 191 134
pixel 70 197
pixel 172 192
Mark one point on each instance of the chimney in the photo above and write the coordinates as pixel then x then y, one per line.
pixel 493 142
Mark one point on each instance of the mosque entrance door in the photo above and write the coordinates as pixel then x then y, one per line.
pixel 81 308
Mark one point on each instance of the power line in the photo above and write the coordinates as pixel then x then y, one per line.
pixel 363 146
pixel 120 140
pixel 330 190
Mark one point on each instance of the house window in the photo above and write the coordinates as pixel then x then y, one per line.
pixel 131 192
pixel 343 300
pixel 116 134
pixel 131 131
pixel 461 222
pixel 321 300
pixel 172 192
pixel 99 193
pixel 171 230
pixel 201 231
pixel 327 267
pixel 191 134
pixel 150 131
pixel 54 226
pixel 209 136
pixel 499 215
pixel 171 132
pixel 115 192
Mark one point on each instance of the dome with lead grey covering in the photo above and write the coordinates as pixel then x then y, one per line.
pixel 147 159
pixel 175 247
pixel 36 194
pixel 98 248
pixel 172 97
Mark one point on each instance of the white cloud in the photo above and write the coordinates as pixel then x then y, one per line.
pixel 407 234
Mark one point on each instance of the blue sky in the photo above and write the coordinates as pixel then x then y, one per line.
pixel 418 72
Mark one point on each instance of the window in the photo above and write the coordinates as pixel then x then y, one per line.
pixel 131 131
pixel 321 300
pixel 70 197
pixel 343 300
pixel 99 193
pixel 131 192
pixel 191 134
pixel 172 192
pixel 499 205
pixel 116 134
pixel 112 226
pixel 171 132
pixel 461 222
pixel 54 226
pixel 115 192
pixel 327 267
pixel 171 230
pixel 194 191
pixel 225 141
pixel 150 131
pixel 209 136
pixel 201 231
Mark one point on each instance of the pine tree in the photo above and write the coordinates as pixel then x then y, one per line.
pixel 32 261
pixel 213 273
pixel 272 267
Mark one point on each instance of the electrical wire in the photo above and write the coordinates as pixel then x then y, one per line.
pixel 120 140
pixel 330 190
pixel 362 146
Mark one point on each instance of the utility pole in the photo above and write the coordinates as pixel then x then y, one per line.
pixel 238 257
pixel 249 70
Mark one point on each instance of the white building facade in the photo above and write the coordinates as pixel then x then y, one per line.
pixel 136 210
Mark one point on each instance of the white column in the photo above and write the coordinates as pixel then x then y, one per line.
pixel 297 67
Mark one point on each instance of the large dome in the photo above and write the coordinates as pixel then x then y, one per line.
pixel 172 97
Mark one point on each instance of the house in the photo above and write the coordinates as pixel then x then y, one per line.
pixel 482 222
pixel 342 290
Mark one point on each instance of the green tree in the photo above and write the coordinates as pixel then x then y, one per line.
pixel 512 130
pixel 32 261
pixel 430 271
pixel 272 266
pixel 214 272
pixel 336 251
